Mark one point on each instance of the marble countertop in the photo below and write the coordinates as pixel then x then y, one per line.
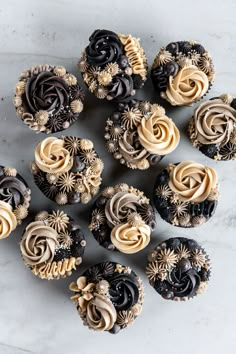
pixel 37 316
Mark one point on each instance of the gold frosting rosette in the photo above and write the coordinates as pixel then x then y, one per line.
pixel 182 72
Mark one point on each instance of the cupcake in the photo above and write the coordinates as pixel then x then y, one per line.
pixel 139 134
pixel 48 99
pixel 113 66
pixel 52 245
pixel 182 72
pixel 108 297
pixel 178 269
pixel 212 129
pixel 122 219
pixel 67 170
pixel 15 199
pixel 186 194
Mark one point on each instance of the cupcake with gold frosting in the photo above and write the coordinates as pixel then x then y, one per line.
pixel 113 65
pixel 122 219
pixel 48 99
pixel 182 72
pixel 67 169
pixel 139 134
pixel 52 245
pixel 186 194
pixel 108 297
pixel 15 199
pixel 212 129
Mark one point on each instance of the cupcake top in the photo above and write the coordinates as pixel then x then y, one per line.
pixel 67 169
pixel 186 194
pixel 52 245
pixel 15 199
pixel 178 269
pixel 48 99
pixel 182 72
pixel 113 65
pixel 122 219
pixel 108 297
pixel 139 134
pixel 212 129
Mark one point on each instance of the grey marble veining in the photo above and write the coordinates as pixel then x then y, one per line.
pixel 37 316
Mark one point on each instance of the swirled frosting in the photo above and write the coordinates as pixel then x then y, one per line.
pixel 101 313
pixel 12 190
pixel 214 122
pixel 192 181
pixel 159 135
pixel 130 239
pixel 184 283
pixel 188 86
pixel 38 243
pixel 124 291
pixel 126 148
pixel 52 157
pixel 119 205
pixel 8 220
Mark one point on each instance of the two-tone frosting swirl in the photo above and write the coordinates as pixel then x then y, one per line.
pixel 38 243
pixel 52 157
pixel 214 122
pixel 118 207
pixel 188 86
pixel 12 190
pixel 192 181
pixel 130 239
pixel 158 134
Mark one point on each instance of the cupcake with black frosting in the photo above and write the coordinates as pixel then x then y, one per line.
pixel 108 297
pixel 15 199
pixel 182 72
pixel 48 98
pixel 122 219
pixel 178 269
pixel 212 129
pixel 139 134
pixel 113 66
pixel 52 245
pixel 67 170
pixel 186 194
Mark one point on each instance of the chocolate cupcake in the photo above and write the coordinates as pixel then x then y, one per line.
pixel 178 269
pixel 182 72
pixel 186 194
pixel 212 129
pixel 15 199
pixel 122 219
pixel 48 99
pixel 108 297
pixel 67 170
pixel 113 66
pixel 52 245
pixel 139 134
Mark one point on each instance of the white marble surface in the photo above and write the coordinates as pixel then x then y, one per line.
pixel 37 316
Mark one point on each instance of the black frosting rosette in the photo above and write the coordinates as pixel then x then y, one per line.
pixel 52 245
pixel 178 269
pixel 182 72
pixel 212 128
pixel 113 65
pixel 67 170
pixel 186 194
pixel 15 199
pixel 108 296
pixel 122 219
pixel 48 99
